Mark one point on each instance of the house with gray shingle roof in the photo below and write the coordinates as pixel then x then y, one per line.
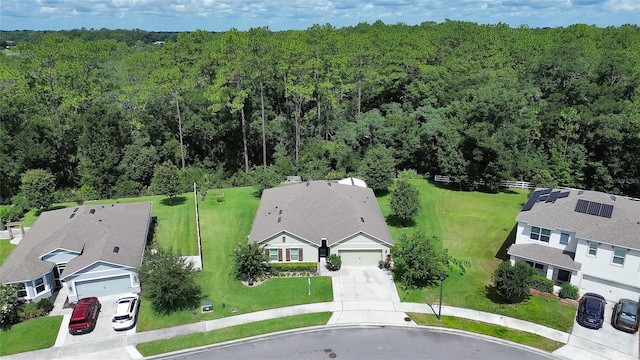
pixel 587 238
pixel 92 250
pixel 310 220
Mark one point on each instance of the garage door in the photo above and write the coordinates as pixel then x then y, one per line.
pixel 104 287
pixel 609 289
pixel 360 257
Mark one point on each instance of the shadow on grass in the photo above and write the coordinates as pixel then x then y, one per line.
pixel 492 294
pixel 510 240
pixel 175 201
pixel 396 222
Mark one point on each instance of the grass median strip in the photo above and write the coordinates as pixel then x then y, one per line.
pixel 34 334
pixel 232 333
pixel 497 331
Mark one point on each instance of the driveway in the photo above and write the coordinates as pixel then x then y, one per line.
pixel 365 283
pixel 607 341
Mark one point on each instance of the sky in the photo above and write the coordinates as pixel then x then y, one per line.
pixel 222 15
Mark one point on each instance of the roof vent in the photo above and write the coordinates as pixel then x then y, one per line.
pixel 361 219
pixel 308 183
pixel 580 192
pixel 72 215
pixel 92 211
pixel 280 212
pixel 613 197
pixel 279 219
pixel 76 209
pixel 329 183
pixel 116 249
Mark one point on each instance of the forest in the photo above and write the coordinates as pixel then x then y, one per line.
pixel 101 110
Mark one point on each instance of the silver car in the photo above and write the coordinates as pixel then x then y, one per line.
pixel 126 312
pixel 625 316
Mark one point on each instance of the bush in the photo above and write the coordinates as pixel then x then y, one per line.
pixel 46 305
pixel 277 268
pixel 30 311
pixel 568 291
pixel 409 174
pixel 514 282
pixel 543 284
pixel 334 262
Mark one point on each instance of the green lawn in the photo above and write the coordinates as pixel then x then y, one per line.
pixel 232 333
pixel 5 249
pixel 474 226
pixel 497 331
pixel 225 221
pixel 34 334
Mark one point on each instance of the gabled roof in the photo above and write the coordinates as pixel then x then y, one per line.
pixel 564 212
pixel 92 230
pixel 319 210
pixel 544 254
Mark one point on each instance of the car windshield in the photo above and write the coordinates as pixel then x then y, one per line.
pixel 121 317
pixel 629 312
pixel 593 308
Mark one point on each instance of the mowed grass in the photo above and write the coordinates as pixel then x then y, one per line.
pixel 497 331
pixel 475 226
pixel 5 249
pixel 226 217
pixel 34 334
pixel 232 333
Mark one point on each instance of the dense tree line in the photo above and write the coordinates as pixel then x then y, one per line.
pixel 479 103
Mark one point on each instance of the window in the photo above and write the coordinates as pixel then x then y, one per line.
pixel 295 255
pixel 564 239
pixel 539 266
pixel 22 290
pixel 273 254
pixel 593 249
pixel 39 285
pixel 618 256
pixel 563 277
pixel 540 234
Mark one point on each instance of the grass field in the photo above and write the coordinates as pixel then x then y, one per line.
pixel 5 249
pixel 34 334
pixel 497 331
pixel 231 333
pixel 475 226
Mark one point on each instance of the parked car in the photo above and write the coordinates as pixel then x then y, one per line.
pixel 84 316
pixel 126 312
pixel 591 310
pixel 625 315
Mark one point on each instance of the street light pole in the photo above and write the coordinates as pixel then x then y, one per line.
pixel 442 277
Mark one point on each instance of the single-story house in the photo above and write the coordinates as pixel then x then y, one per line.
pixel 92 250
pixel 311 220
pixel 587 238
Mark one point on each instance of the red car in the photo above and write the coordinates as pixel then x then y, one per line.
pixel 84 316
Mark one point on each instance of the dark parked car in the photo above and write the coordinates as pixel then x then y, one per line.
pixel 625 316
pixel 591 310
pixel 84 316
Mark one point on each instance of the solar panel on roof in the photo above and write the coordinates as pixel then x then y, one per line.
pixel 563 195
pixel 543 197
pixel 582 206
pixel 553 196
pixel 532 200
pixel 594 208
pixel 606 211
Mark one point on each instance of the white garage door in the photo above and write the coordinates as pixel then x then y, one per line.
pixel 104 287
pixel 360 257
pixel 610 290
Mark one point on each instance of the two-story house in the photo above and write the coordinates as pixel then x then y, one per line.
pixel 588 238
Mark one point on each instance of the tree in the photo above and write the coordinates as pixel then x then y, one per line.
pixel 169 281
pixel 265 178
pixel 416 261
pixel 251 262
pixel 405 201
pixel 378 168
pixel 166 180
pixel 38 186
pixel 8 306
pixel 514 282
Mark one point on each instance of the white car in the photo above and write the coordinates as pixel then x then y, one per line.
pixel 126 312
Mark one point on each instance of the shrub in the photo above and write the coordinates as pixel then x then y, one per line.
pixel 334 262
pixel 46 305
pixel 513 282
pixel 409 174
pixel 543 284
pixel 568 291
pixel 30 311
pixel 294 267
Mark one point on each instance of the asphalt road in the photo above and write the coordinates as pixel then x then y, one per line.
pixel 366 343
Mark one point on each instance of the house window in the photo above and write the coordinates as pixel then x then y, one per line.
pixel 273 254
pixel 39 283
pixel 22 290
pixel 564 239
pixel 295 255
pixel 284 239
pixel 540 234
pixel 563 277
pixel 618 256
pixel 593 249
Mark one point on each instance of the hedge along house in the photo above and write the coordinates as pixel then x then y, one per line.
pixel 309 221
pixel 92 250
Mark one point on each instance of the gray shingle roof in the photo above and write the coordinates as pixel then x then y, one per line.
pixel 316 210
pixel 93 235
pixel 544 254
pixel 622 229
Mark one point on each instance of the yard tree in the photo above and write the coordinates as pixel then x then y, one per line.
pixel 416 261
pixel 513 281
pixel 8 306
pixel 169 281
pixel 405 201
pixel 166 180
pixel 250 262
pixel 265 178
pixel 378 168
pixel 38 186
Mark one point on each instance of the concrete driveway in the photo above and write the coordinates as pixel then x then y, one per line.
pixel 607 341
pixel 365 283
